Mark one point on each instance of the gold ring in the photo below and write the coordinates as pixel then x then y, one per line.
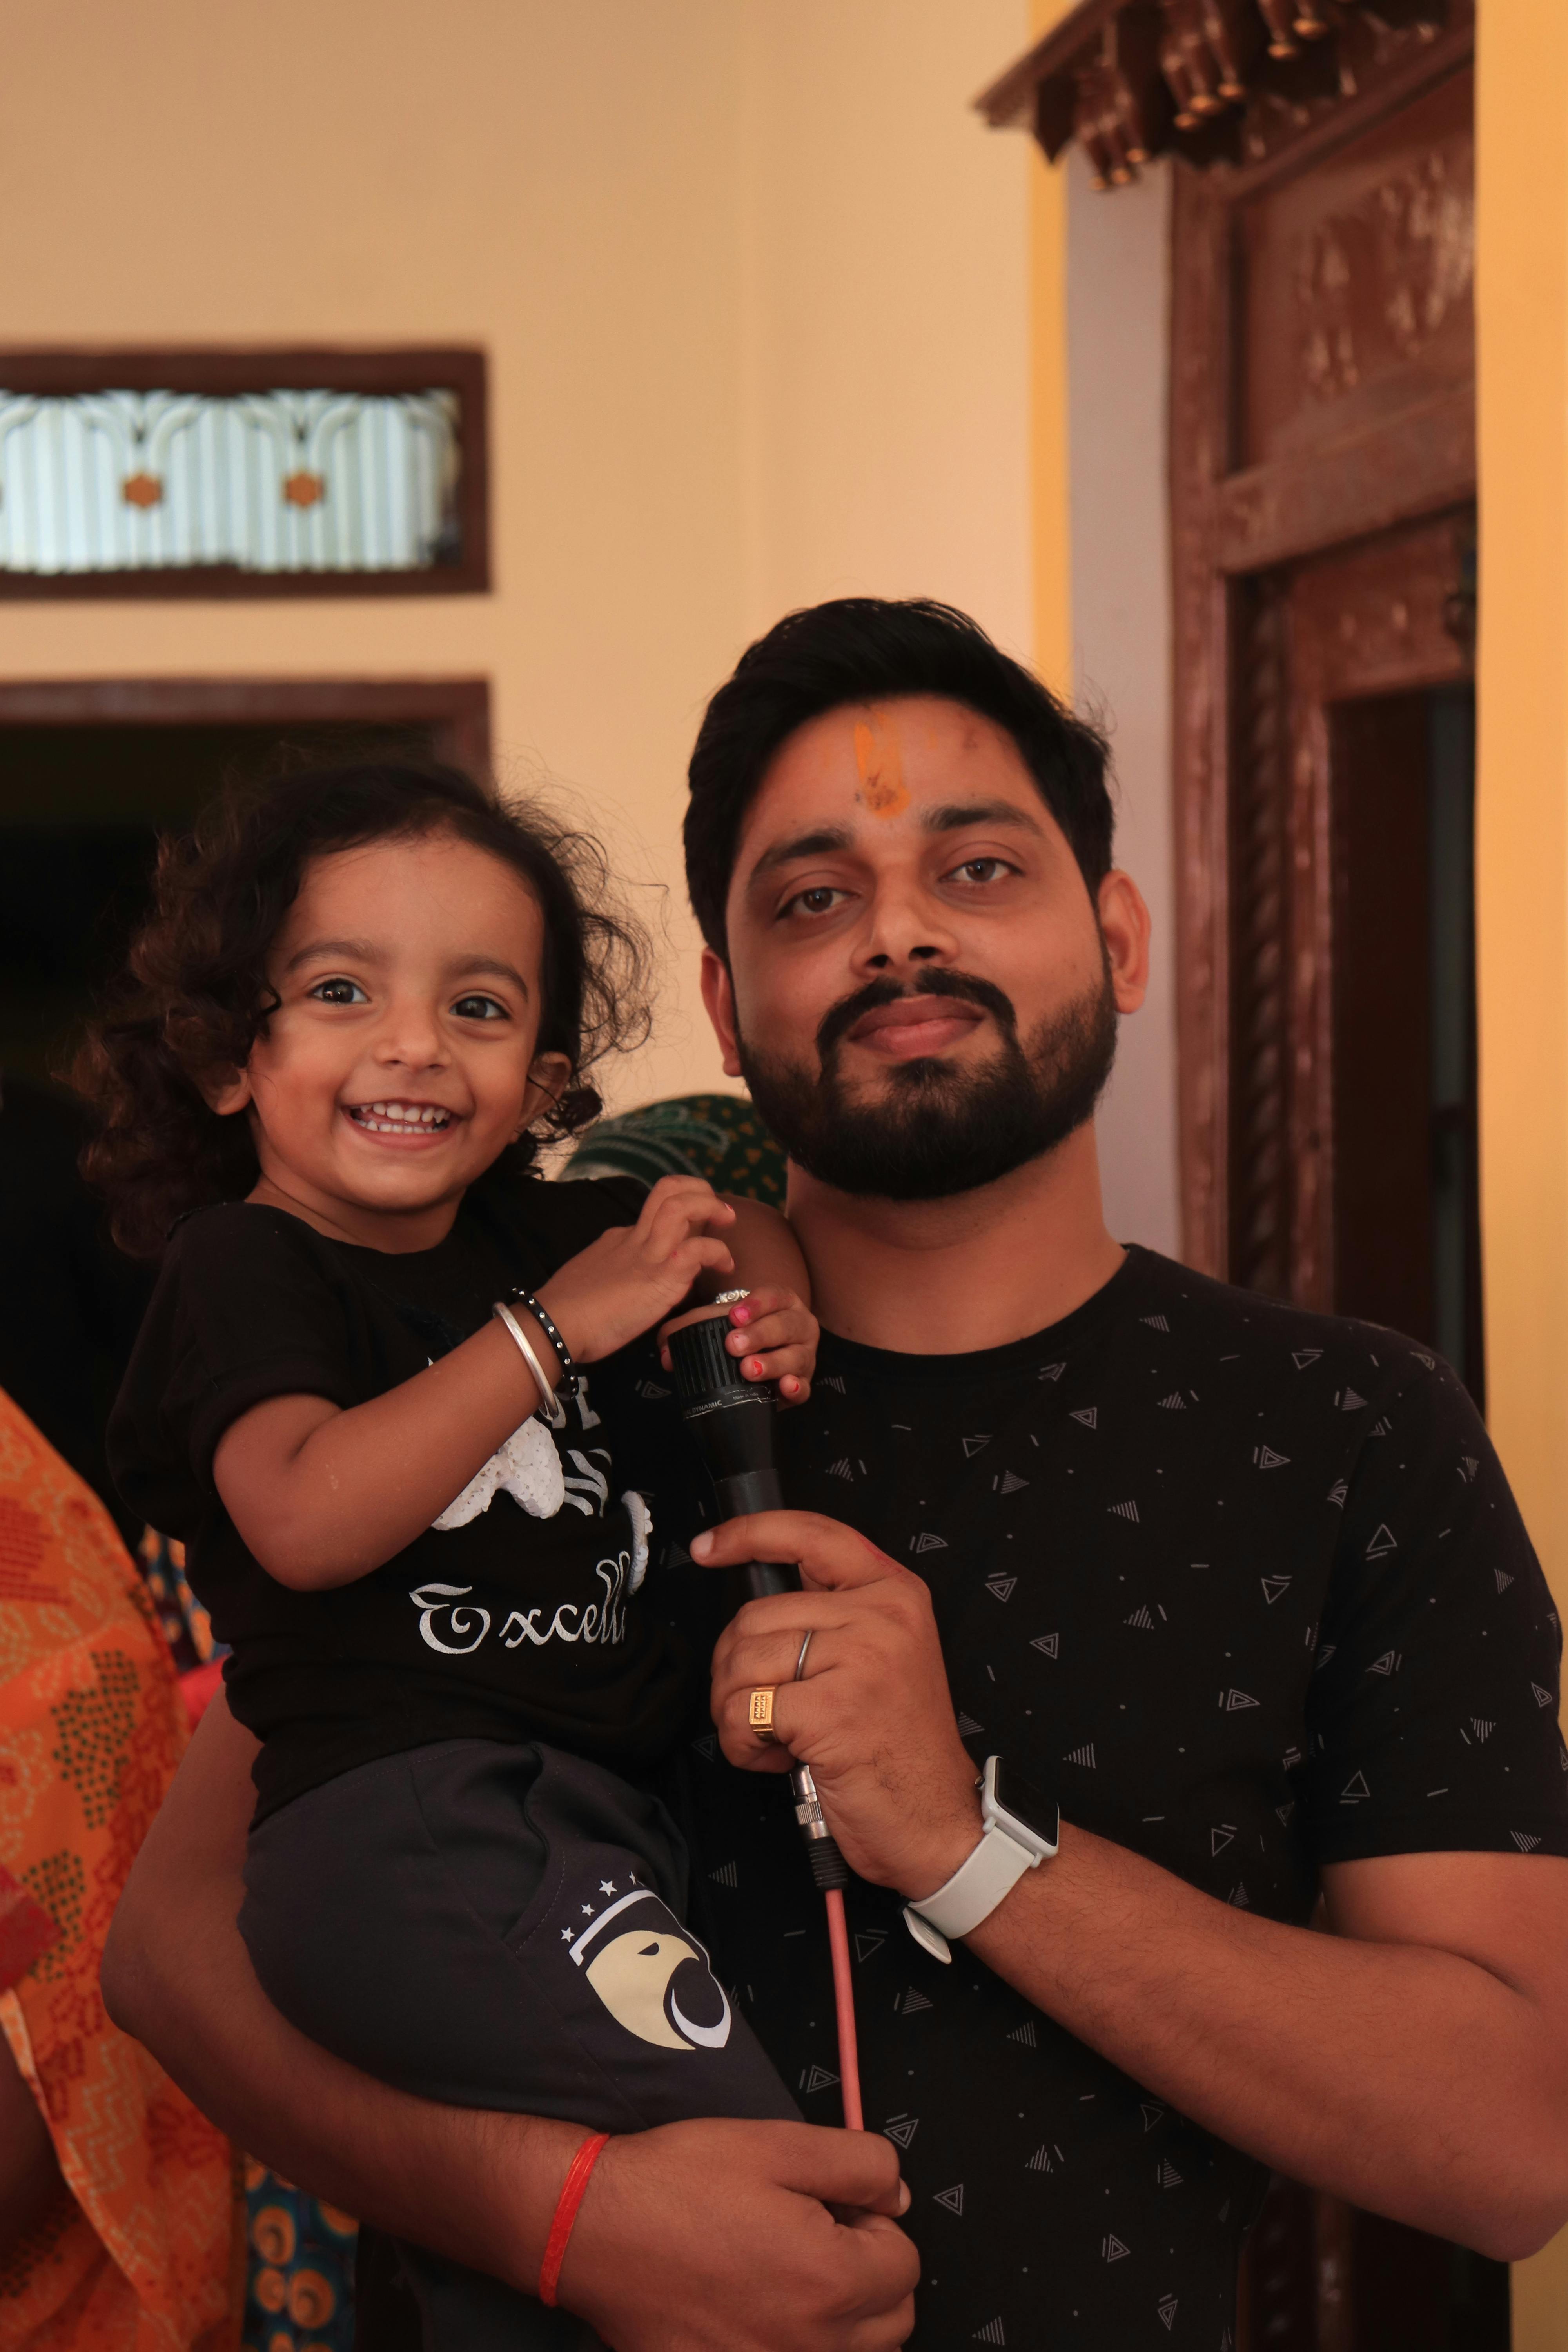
pixel 760 1716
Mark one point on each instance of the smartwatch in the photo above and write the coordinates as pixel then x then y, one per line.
pixel 1022 1830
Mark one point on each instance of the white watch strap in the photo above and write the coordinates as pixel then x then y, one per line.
pixel 972 1893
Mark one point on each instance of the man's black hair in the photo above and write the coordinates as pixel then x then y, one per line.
pixel 870 649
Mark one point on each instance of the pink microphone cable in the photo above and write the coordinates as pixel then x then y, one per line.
pixel 844 2001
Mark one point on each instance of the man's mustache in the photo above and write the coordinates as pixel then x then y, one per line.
pixel 841 1017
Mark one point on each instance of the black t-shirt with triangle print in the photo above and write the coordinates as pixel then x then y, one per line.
pixel 1246 1588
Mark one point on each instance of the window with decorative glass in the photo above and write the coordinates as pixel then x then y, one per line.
pixel 242 474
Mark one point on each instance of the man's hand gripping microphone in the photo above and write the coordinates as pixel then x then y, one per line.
pixel 732 1421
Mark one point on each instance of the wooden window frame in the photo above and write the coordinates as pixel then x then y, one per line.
pixel 259 369
pixel 457 711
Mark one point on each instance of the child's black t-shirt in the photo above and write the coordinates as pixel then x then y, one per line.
pixel 516 1616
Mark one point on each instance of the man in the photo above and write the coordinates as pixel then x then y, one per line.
pixel 1240 1588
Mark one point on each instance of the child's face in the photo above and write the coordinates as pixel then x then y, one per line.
pixel 401 1059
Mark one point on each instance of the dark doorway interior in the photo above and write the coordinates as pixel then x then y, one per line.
pixel 1406 1191
pixel 81 812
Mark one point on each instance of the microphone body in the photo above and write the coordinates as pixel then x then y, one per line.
pixel 731 1420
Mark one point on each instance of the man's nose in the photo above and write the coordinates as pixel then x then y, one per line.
pixel 906 931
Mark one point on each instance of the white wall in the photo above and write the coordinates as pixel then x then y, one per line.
pixel 1117 299
pixel 751 275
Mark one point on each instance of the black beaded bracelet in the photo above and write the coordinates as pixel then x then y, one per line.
pixel 567 1384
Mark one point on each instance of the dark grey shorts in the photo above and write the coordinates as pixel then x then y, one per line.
pixel 498 1927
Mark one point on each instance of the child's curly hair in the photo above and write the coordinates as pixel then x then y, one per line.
pixel 195 995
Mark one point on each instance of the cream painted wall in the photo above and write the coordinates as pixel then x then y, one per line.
pixel 752 276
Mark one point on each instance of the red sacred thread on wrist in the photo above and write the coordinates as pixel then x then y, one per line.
pixel 571 2194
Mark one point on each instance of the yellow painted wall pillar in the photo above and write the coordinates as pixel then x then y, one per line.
pixel 1521 810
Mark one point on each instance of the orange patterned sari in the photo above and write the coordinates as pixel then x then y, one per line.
pixel 146 2253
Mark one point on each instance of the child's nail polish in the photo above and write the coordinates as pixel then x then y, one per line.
pixel 740 1314
pixel 753 1368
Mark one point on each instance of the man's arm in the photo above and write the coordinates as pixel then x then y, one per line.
pixel 705 2237
pixel 1416 2061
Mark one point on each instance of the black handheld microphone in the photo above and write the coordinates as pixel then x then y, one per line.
pixel 732 1421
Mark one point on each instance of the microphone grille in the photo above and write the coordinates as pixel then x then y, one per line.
pixel 702 1364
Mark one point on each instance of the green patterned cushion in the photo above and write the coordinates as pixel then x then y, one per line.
pixel 719 1136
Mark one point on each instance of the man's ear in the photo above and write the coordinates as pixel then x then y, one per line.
pixel 227 1092
pixel 1124 927
pixel 719 996
pixel 548 1077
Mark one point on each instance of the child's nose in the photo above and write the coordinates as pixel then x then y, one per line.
pixel 412 1036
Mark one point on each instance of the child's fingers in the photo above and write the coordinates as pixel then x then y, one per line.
pixel 695 1252
pixel 764 1301
pixel 677 1203
pixel 781 1364
pixel 791 1328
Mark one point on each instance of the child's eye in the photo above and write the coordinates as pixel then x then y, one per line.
pixel 339 992
pixel 478 1008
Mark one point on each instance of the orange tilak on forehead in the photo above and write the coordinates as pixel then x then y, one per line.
pixel 880 762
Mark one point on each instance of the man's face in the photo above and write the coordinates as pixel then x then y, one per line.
pixel 921 994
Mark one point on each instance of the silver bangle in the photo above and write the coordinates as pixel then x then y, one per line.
pixel 730 1298
pixel 504 1314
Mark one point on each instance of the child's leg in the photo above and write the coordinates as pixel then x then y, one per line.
pixel 498 1927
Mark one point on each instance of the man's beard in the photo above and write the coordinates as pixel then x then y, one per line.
pixel 936 1129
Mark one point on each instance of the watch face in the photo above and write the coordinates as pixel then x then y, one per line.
pixel 1027 1803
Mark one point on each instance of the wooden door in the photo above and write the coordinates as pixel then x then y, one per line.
pixel 1322 480
pixel 1323 486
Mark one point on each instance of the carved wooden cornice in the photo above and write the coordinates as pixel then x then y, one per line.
pixel 1234 85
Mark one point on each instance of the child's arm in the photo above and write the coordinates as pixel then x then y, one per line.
pixel 321 1496
pixel 775 1328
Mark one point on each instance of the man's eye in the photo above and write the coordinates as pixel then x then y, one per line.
pixel 981 869
pixel 478 1008
pixel 818 901
pixel 339 992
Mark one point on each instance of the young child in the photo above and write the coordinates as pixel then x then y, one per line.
pixel 359 1397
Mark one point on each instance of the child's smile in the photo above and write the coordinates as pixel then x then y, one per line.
pixel 401 1123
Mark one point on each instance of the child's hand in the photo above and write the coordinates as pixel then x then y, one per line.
pixel 632 1276
pixel 775 1334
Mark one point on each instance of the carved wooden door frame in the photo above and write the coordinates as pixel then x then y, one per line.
pixel 1252 842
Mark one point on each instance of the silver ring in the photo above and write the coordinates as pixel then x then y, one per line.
pixel 800 1662
pixel 730 1298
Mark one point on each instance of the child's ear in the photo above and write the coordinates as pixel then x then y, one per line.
pixel 547 1080
pixel 226 1092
